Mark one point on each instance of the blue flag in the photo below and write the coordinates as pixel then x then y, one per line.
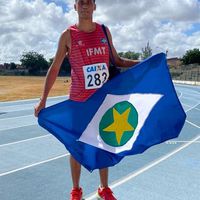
pixel 130 113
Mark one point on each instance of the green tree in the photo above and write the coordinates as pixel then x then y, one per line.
pixel 50 61
pixel 65 67
pixel 34 62
pixel 6 65
pixel 146 51
pixel 13 65
pixel 129 54
pixel 191 56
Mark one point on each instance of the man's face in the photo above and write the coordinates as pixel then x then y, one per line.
pixel 85 8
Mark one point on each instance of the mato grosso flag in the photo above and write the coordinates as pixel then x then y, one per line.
pixel 132 112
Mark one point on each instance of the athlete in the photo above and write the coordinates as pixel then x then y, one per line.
pixel 86 46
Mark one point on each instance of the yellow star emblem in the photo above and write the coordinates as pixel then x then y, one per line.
pixel 120 124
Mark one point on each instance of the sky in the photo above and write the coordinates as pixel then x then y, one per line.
pixel 36 25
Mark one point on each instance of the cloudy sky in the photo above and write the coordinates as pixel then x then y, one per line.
pixel 36 25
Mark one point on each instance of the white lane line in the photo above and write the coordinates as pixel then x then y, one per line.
pixel 21 107
pixel 21 141
pixel 39 137
pixel 29 106
pixel 6 129
pixel 17 122
pixel 190 106
pixel 33 165
pixel 193 124
pixel 149 166
pixel 35 99
pixel 179 141
pixel 48 135
pixel 16 108
pixel 186 105
pixel 10 118
pixel 34 123
pixel 197 109
pixel 181 94
pixel 188 98
pixel 186 86
pixel 193 107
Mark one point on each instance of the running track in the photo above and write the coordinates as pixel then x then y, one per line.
pixel 34 165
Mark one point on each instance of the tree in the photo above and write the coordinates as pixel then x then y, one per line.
pixel 129 55
pixel 65 67
pixel 34 62
pixel 191 56
pixel 146 51
pixel 50 61
pixel 6 65
pixel 13 65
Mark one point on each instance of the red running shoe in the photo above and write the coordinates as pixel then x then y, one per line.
pixel 76 194
pixel 105 194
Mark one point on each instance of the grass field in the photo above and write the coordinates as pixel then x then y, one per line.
pixel 27 87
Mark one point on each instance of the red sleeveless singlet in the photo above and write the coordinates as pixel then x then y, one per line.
pixel 87 49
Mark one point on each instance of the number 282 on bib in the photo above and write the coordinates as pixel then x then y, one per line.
pixel 95 75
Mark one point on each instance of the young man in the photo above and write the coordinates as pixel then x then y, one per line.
pixel 85 44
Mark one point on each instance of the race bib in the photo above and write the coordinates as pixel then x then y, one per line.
pixel 95 75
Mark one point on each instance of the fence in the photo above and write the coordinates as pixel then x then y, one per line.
pixel 180 73
pixel 186 73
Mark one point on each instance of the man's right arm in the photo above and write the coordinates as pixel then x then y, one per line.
pixel 63 49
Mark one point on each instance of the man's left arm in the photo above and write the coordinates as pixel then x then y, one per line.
pixel 119 61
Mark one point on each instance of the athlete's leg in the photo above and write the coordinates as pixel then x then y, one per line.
pixel 75 172
pixel 104 177
pixel 104 192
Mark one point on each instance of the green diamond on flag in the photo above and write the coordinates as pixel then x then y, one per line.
pixel 117 123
